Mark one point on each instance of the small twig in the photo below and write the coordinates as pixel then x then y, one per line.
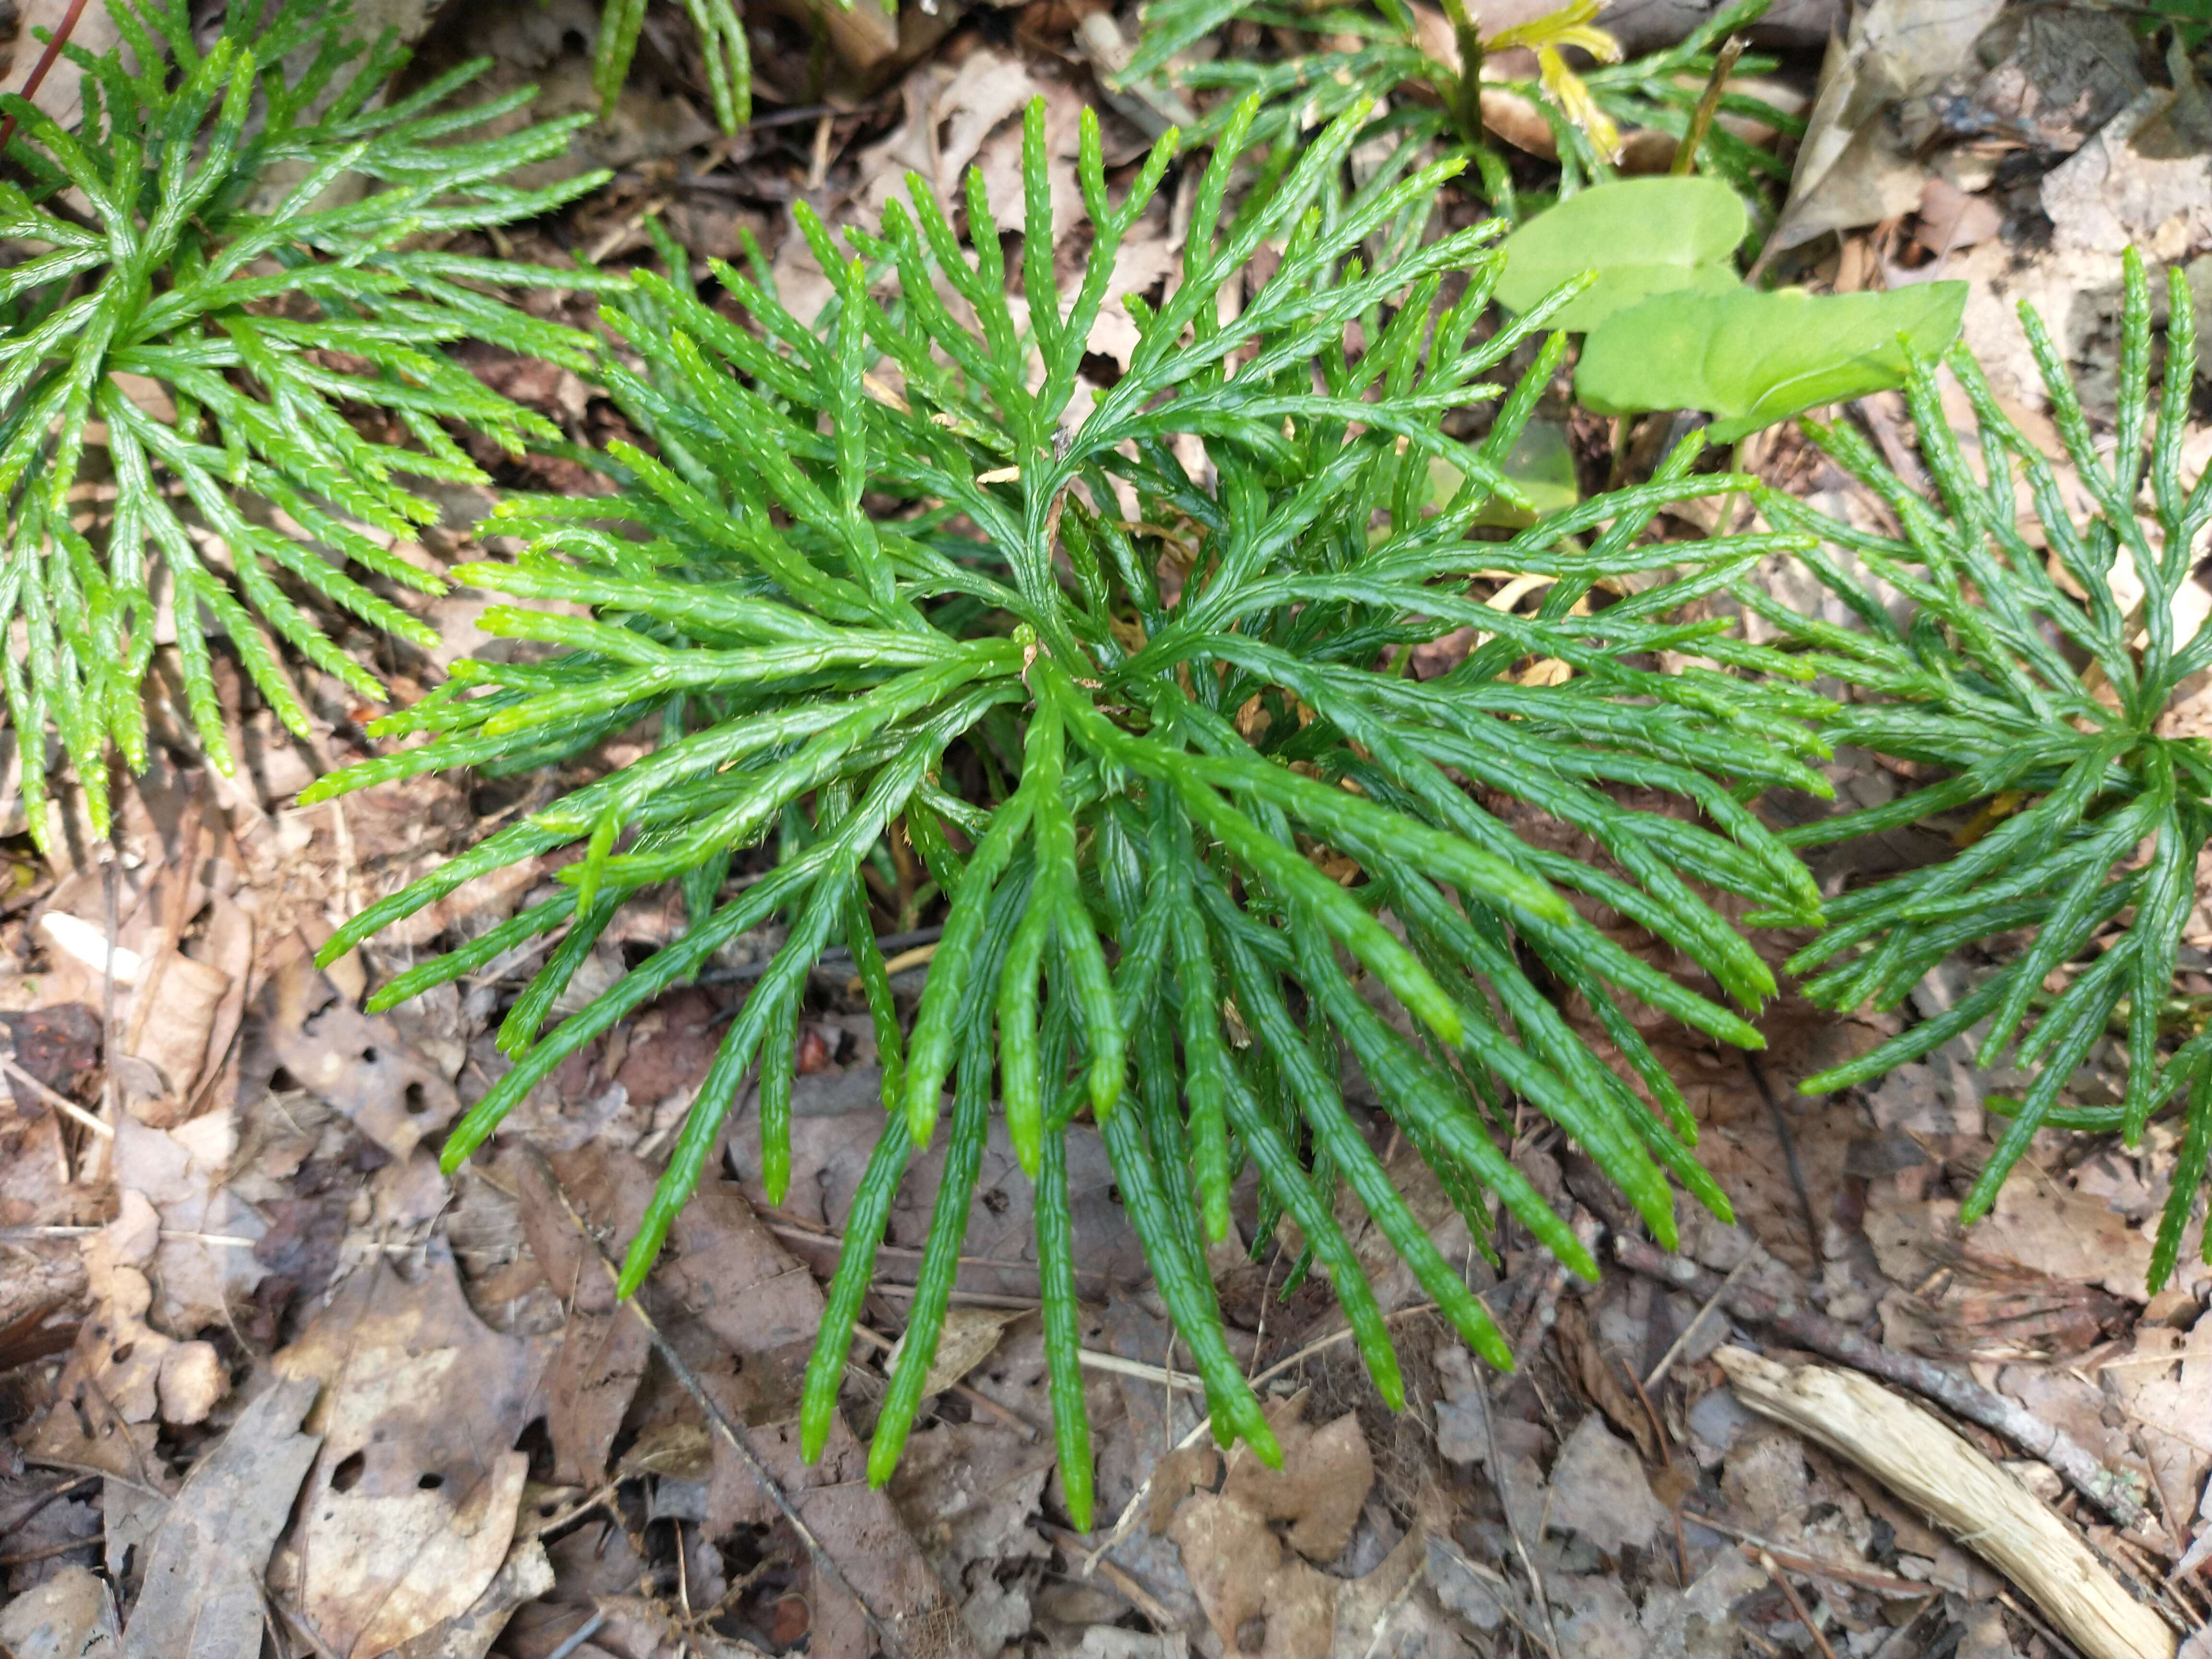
pixel 575 1512
pixel 1709 105
pixel 915 958
pixel 1768 1566
pixel 716 1416
pixel 1093 1360
pixel 1812 1566
pixel 583 1633
pixel 1505 1504
pixel 46 60
pixel 47 1551
pixel 1958 1394
pixel 296 1622
pixel 60 1102
pixel 1135 1593
pixel 15 1522
pixel 1790 1159
pixel 1674 1353
pixel 1505 1600
pixel 889 945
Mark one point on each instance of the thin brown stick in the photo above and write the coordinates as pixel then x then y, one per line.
pixel 716 1416
pixel 1674 1352
pixel 1812 1566
pixel 31 1506
pixel 1131 1591
pixel 1782 1132
pixel 47 1551
pixel 1772 1570
pixel 1956 1393
pixel 1709 105
pixel 1551 1638
pixel 47 59
pixel 60 1102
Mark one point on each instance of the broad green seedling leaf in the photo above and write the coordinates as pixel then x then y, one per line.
pixel 1641 236
pixel 1750 359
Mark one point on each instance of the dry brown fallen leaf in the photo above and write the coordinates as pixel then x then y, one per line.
pixel 968 1492
pixel 965 1341
pixel 1242 1569
pixel 1326 1470
pixel 141 1371
pixel 182 1173
pixel 1853 166
pixel 203 1592
pixel 411 1505
pixel 527 1574
pixel 1599 1489
pixel 2143 181
pixel 603 1347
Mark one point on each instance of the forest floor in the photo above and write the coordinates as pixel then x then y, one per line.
pixel 270 1383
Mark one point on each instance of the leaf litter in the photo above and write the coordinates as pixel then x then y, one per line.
pixel 273 1385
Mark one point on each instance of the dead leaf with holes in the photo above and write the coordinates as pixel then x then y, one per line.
pixel 362 1065
pixel 411 1505
pixel 202 1590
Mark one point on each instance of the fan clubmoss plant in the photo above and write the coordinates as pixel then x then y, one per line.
pixel 1167 822
pixel 205 296
pixel 2018 671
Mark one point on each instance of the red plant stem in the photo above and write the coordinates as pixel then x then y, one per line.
pixel 46 60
